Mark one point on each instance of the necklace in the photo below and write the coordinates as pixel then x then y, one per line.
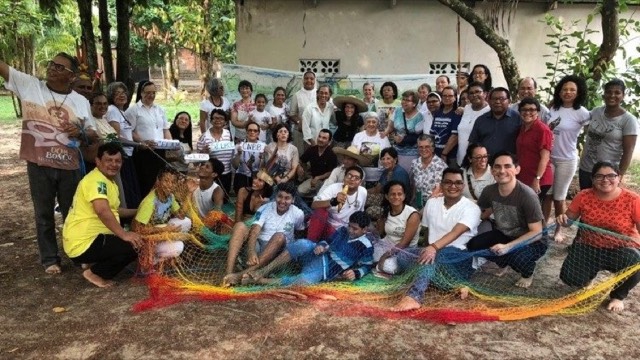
pixel 355 202
pixel 55 104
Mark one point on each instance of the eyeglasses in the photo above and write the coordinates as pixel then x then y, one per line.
pixel 119 92
pixel 450 183
pixel 58 67
pixel 352 177
pixel 480 157
pixel 601 177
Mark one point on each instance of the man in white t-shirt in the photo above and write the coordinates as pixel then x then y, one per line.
pixel 299 101
pixel 452 221
pixel 333 206
pixel 275 226
pixel 55 118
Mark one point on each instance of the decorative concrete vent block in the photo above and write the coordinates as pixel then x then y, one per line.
pixel 438 68
pixel 320 66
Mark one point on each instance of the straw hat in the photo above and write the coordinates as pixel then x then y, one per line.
pixel 353 152
pixel 339 102
pixel 264 176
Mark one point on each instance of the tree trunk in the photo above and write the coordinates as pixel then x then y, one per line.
pixel 610 39
pixel 88 38
pixel 123 48
pixel 105 34
pixel 491 38
pixel 204 52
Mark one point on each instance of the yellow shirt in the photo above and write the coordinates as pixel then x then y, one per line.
pixel 83 225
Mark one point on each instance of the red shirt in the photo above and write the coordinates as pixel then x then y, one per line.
pixel 528 146
pixel 619 215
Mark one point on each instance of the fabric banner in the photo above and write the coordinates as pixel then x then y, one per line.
pixel 264 81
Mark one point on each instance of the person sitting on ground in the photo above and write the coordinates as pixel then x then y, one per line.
pixel 92 233
pixel 251 198
pixel 369 142
pixel 208 195
pixel 399 228
pixel 426 171
pixel 392 171
pixel 273 229
pixel 609 207
pixel 346 255
pixel 159 212
pixel 335 204
pixel 321 161
pixel 452 220
pixel 348 157
pixel 518 221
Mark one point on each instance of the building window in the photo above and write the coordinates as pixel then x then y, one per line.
pixel 320 66
pixel 445 68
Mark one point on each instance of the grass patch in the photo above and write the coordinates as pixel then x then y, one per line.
pixel 633 173
pixel 7 115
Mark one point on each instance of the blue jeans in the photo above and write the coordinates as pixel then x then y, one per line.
pixel 313 266
pixel 452 266
pixel 46 184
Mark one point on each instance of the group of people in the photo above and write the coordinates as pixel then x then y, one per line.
pixel 478 171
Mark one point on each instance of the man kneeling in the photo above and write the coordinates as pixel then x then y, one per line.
pixel 272 230
pixel 348 255
pixel 92 233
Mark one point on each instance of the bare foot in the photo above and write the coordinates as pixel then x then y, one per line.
pixel 524 282
pixel 558 236
pixel 97 280
pixel 501 272
pixel 464 293
pixel 231 279
pixel 615 305
pixel 407 303
pixel 53 269
pixel 251 278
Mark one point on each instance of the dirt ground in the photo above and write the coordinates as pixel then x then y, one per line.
pixel 99 324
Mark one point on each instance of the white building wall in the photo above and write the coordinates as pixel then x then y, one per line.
pixel 374 37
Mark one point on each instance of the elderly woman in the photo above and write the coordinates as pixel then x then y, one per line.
pixel 317 115
pixel 533 147
pixel 117 95
pixel 215 100
pixel 217 142
pixel 407 125
pixel 387 103
pixel 612 134
pixel 566 118
pixel 241 109
pixel 370 143
pixel 348 119
pixel 611 208
pixel 150 124
pixel 482 74
pixel 426 171
pixel 281 156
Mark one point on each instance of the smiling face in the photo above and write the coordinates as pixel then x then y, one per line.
pixel 368 91
pixel 452 185
pixel 528 113
pixel 613 96
pixel 388 161
pixel 99 106
pixel 245 92
pixel 323 95
pixel 257 184
pixel 120 97
pixel 479 158
pixel 448 98
pixel 371 125
pixel 279 98
pixel 261 103
pixel 182 122
pixel 205 170
pixel 109 165
pixel 504 171
pixel 425 149
pixel 433 103
pixel 395 196
pixel 283 201
pixel 148 94
pixel 605 180
pixel 476 96
pixel 441 83
pixel 568 93
pixel 526 88
pixel 309 81
pixel 479 74
pixel 349 109
pixel 218 121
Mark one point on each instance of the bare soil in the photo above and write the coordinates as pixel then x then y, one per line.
pixel 99 324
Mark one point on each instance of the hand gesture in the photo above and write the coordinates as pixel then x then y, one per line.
pixel 349 275
pixel 427 255
pixel 319 249
pixel 134 238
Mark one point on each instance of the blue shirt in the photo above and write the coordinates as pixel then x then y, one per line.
pixel 445 125
pixel 398 173
pixel 496 134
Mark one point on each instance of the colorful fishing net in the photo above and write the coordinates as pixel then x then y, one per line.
pixel 197 275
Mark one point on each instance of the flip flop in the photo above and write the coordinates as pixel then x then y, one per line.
pixel 53 269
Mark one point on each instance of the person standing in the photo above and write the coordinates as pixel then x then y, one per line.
pixel 498 129
pixel 54 119
pixel 299 102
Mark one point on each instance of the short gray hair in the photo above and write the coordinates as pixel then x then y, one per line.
pixel 113 87
pixel 213 85
pixel 371 115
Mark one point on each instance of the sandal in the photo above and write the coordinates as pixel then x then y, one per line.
pixel 53 269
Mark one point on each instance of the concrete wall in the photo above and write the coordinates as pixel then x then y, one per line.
pixel 373 37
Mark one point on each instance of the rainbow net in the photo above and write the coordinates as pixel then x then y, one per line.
pixel 197 274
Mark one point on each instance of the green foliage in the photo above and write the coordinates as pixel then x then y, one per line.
pixel 573 52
